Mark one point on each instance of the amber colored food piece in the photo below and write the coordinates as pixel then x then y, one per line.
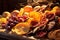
pixel 59 20
pixel 50 35
pixel 22 28
pixel 2 30
pixel 58 12
pixel 3 20
pixel 28 8
pixel 54 34
pixel 6 14
pixel 36 16
pixel 37 8
pixel 21 12
pixel 15 12
pixel 43 22
pixel 50 15
pixel 55 8
pixel 50 12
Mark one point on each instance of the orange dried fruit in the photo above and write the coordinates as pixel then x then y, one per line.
pixel 6 14
pixel 21 12
pixel 55 9
pixel 28 8
pixel 36 16
pixel 3 20
pixel 23 27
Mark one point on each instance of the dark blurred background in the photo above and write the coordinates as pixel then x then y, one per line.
pixel 9 5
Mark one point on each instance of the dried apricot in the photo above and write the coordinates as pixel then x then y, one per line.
pixel 6 14
pixel 22 28
pixel 3 20
pixel 36 16
pixel 28 8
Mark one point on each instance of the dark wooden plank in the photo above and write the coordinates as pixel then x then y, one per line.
pixel 12 36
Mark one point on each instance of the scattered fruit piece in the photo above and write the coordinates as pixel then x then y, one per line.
pixel 28 8
pixel 54 34
pixel 50 15
pixel 21 12
pixel 37 8
pixel 22 28
pixel 6 15
pixel 51 25
pixel 15 12
pixel 41 34
pixel 36 16
pixel 55 9
pixel 3 20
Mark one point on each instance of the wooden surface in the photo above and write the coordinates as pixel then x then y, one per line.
pixel 12 36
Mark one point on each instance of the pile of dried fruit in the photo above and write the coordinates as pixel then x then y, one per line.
pixel 36 21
